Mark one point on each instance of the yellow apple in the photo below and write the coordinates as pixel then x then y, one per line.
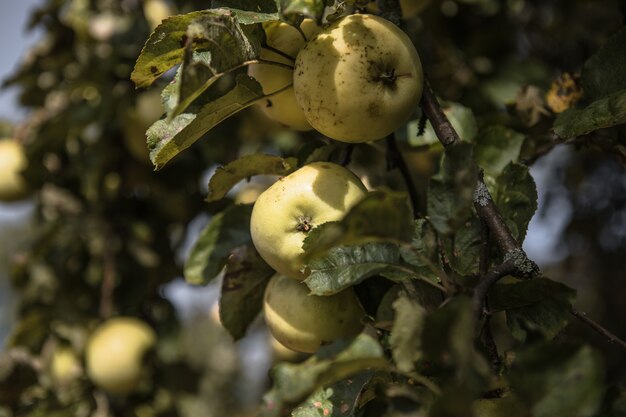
pixel 281 353
pixel 284 213
pixel 115 352
pixel 304 322
pixel 285 38
pixel 12 162
pixel 358 80
pixel 64 365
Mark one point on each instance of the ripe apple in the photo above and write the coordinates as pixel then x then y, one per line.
pixel 12 162
pixel 358 80
pixel 304 322
pixel 115 353
pixel 64 365
pixel 284 213
pixel 282 107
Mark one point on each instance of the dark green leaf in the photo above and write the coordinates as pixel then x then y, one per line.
pixel 381 216
pixel 451 190
pixel 463 249
pixel 497 146
pixel 168 139
pixel 515 195
pixel 603 74
pixel 201 30
pixel 244 283
pixel 606 112
pixel 539 305
pixel 423 253
pixel 247 166
pixel 448 343
pixel 226 231
pixel 559 380
pixel 406 333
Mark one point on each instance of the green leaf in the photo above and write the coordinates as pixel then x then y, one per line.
pixel 448 344
pixel 539 305
pixel 606 112
pixel 294 382
pixel 422 254
pixel 559 380
pixel 247 166
pixel 382 216
pixel 226 231
pixel 168 139
pixel 244 283
pixel 461 117
pixel 515 195
pixel 406 333
pixel 463 249
pixel 497 146
pixel 451 191
pixel 604 73
pixel 205 30
pixel 338 400
pixel 346 266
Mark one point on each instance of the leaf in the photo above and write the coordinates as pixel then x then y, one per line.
pixel 497 146
pixel 462 120
pixel 294 382
pixel 247 166
pixel 423 252
pixel 604 73
pixel 448 344
pixel 559 380
pixel 244 283
pixel 450 192
pixel 382 216
pixel 606 112
pixel 226 231
pixel 338 400
pixel 538 305
pixel 346 266
pixel 515 195
pixel 406 333
pixel 203 30
pixel 168 139
pixel 463 249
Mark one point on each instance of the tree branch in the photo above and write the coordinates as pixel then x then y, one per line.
pixel 582 316
pixel 441 125
pixel 507 267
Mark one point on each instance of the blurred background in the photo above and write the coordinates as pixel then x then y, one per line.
pixel 106 235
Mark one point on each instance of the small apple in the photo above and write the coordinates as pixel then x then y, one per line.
pixel 284 213
pixel 281 353
pixel 285 38
pixel 358 80
pixel 12 161
pixel 155 11
pixel 304 322
pixel 115 354
pixel 64 365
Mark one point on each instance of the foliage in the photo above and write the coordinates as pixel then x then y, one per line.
pixel 417 249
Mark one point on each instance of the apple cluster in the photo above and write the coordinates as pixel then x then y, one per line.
pixel 355 81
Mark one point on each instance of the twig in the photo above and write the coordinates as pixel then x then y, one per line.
pixel 347 156
pixel 507 267
pixel 278 52
pixel 488 212
pixel 395 160
pixel 490 346
pixel 582 316
pixel 485 248
pixel 440 123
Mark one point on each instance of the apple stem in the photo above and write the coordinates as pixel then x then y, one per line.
pixel 304 224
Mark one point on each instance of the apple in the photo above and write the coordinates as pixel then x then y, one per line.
pixel 155 11
pixel 282 107
pixel 284 213
pixel 281 353
pixel 304 322
pixel 12 161
pixel 358 80
pixel 115 352
pixel 64 365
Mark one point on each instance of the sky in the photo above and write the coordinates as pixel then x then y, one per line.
pixel 14 41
